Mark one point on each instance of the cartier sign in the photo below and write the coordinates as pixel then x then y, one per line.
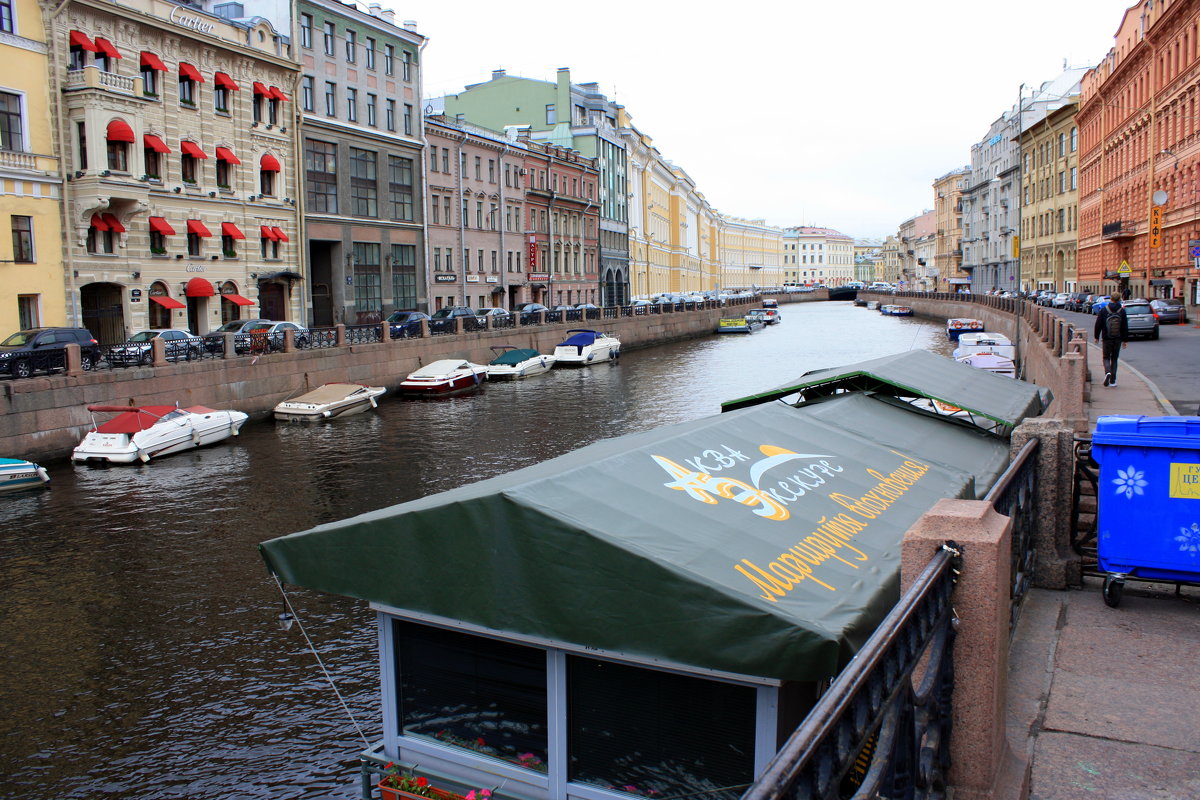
pixel 179 17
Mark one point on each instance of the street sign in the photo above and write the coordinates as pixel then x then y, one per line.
pixel 1124 270
pixel 1195 250
pixel 1156 226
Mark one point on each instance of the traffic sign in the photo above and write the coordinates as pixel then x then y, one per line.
pixel 1124 270
pixel 1195 250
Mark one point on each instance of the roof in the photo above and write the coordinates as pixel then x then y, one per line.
pixel 763 542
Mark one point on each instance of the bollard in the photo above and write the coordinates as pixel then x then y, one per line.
pixel 158 352
pixel 228 343
pixel 341 334
pixel 289 340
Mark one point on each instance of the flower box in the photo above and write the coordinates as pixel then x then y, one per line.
pixel 390 793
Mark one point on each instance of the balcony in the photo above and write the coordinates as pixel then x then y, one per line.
pixel 93 78
pixel 10 159
pixel 1120 229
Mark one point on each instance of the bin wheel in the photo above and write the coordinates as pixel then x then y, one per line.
pixel 1112 591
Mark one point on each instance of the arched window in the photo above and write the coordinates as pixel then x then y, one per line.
pixel 268 170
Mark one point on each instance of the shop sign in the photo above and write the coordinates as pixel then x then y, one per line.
pixel 135 292
pixel 533 252
pixel 472 279
pixel 1156 226
pixel 196 268
pixel 493 279
pixel 443 279
pixel 184 20
pixel 539 276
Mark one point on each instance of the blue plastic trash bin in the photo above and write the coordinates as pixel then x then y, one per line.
pixel 1148 503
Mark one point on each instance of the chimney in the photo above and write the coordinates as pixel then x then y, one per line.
pixel 410 25
pixel 374 9
pixel 388 15
pixel 497 74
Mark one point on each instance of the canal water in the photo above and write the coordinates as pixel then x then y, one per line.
pixel 141 654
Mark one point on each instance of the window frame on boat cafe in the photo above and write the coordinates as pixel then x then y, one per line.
pixel 770 710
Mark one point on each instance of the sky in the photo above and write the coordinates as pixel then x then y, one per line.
pixel 835 113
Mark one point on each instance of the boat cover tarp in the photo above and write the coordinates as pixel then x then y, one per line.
pixel 330 393
pixel 762 542
pixel 511 358
pixel 580 338
pixel 919 373
pixel 139 419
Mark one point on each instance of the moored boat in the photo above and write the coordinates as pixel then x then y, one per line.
pixel 990 362
pixel 899 311
pixel 959 325
pixel 583 346
pixel 974 343
pixel 139 433
pixel 16 475
pixel 512 363
pixel 329 401
pixel 445 376
pixel 747 324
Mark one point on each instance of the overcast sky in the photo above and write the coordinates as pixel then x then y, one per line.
pixel 833 113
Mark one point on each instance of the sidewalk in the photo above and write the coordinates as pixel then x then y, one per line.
pixel 1104 700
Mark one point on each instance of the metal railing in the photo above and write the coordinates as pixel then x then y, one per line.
pixel 1015 496
pixel 873 731
pixel 320 337
pixel 364 334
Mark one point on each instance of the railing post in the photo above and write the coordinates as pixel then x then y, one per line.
pixel 289 340
pixel 424 329
pixel 74 359
pixel 983 764
pixel 228 342
pixel 385 332
pixel 158 352
pixel 1057 566
pixel 341 334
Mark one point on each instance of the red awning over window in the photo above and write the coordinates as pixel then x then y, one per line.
pixel 229 229
pixel 261 89
pixel 154 143
pixel 266 233
pixel 166 302
pixel 192 149
pixel 279 234
pixel 225 82
pixel 226 155
pixel 81 40
pixel 119 131
pixel 238 299
pixel 152 61
pixel 108 48
pixel 198 287
pixel 98 222
pixel 160 225
pixel 278 94
pixel 188 71
pixel 114 224
pixel 197 227
pixel 269 163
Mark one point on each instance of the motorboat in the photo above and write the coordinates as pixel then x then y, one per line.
pixel 959 325
pixel 872 305
pixel 511 363
pixel 16 475
pixel 748 324
pixel 997 343
pixel 1001 365
pixel 446 376
pixel 892 310
pixel 329 401
pixel 140 433
pixel 582 347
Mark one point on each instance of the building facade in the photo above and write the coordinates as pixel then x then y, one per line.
pixel 179 153
pixel 1138 129
pixel 362 143
pixel 889 253
pixel 751 254
pixel 947 274
pixel 32 291
pixel 990 212
pixel 1049 200
pixel 818 256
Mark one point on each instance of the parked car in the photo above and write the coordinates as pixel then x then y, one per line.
pixel 214 341
pixel 178 345
pixel 1099 302
pixel 1060 299
pixel 492 312
pixel 442 320
pixel 406 323
pixel 1074 301
pixel 45 350
pixel 529 312
pixel 269 336
pixel 1170 310
pixel 1142 321
pixel 585 306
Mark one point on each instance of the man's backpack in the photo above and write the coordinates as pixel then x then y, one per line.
pixel 1112 325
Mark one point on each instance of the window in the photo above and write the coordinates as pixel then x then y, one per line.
pixel 149 80
pixel 370 50
pixel 330 99
pixel 330 36
pixel 1062 145
pixel 12 127
pixel 400 187
pixel 446 160
pixel 364 191
pixel 1074 138
pixel 256 106
pixel 479 219
pixel 118 156
pixel 268 170
pixel 22 239
pixel 404 275
pixel 434 204
pixel 351 46
pixel 100 237
pixel 1062 182
pixel 390 115
pixel 272 110
pixel 320 165
pixel 446 210
pixel 220 98
pixel 187 168
pixel 1062 220
pixel 81 143
pixel 306 21
pixel 368 295
pixel 389 59
pixel 27 311
pixel 433 159
pixel 228 248
pixel 306 92
pixel 407 65
pixel 408 119
pixel 371 120
pixel 1073 185
pixel 352 105
pixel 187 91
pixel 478 168
pixel 6 24
pixel 551 117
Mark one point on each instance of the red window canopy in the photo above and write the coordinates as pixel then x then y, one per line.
pixel 229 229
pixel 198 287
pixel 154 143
pixel 197 227
pixel 186 70
pixel 81 40
pixel 114 224
pixel 152 61
pixel 166 302
pixel 269 163
pixel 265 232
pixel 119 131
pixel 225 82
pixel 226 155
pixel 279 234
pixel 261 89
pixel 160 225
pixel 99 223
pixel 108 48
pixel 191 149
pixel 238 299
pixel 278 94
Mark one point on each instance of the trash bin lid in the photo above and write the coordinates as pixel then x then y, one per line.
pixel 1141 431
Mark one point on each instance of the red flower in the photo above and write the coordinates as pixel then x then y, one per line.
pixel 422 782
pixel 481 742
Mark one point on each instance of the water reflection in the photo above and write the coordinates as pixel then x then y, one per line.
pixel 141 651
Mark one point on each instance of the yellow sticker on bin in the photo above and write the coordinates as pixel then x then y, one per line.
pixel 1185 481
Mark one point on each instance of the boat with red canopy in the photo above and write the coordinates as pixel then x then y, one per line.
pixel 139 433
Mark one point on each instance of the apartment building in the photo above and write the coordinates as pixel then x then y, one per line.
pixel 947 273
pixel 1049 199
pixel 818 256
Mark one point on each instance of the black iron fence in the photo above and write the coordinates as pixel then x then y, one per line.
pixel 1015 496
pixel 875 733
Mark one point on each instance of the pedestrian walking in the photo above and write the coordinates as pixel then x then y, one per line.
pixel 1112 331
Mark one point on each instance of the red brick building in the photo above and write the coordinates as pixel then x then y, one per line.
pixel 1140 135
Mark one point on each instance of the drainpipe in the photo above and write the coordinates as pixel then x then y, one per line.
pixel 76 318
pixel 462 216
pixel 425 185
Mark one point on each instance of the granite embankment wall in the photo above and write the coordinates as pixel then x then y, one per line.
pixel 43 418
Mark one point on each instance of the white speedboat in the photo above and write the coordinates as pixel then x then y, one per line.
pixel 748 324
pixel 16 475
pixel 140 433
pixel 511 363
pixel 973 343
pixel 447 376
pixel 892 310
pixel 991 363
pixel 585 346
pixel 329 401
pixel 959 325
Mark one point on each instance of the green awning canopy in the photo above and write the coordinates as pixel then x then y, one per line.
pixel 991 401
pixel 762 542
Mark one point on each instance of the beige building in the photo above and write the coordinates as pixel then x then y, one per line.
pixel 947 273
pixel 1050 200
pixel 751 254
pixel 818 256
pixel 889 253
pixel 918 238
pixel 179 142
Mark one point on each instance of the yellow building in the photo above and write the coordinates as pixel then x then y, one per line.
pixel 32 292
pixel 1050 200
pixel 751 254
pixel 947 273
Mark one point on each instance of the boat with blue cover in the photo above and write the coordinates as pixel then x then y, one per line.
pixel 583 346
pixel 512 363
pixel 16 475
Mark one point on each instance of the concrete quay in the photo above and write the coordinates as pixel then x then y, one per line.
pixel 1103 700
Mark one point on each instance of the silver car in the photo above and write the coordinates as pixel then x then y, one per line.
pixel 1142 321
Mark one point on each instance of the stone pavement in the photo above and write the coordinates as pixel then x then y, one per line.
pixel 1105 701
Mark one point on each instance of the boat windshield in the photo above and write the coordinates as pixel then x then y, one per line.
pixel 177 414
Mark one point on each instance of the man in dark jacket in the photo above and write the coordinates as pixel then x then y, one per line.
pixel 1112 331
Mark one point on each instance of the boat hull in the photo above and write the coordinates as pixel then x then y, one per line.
pixel 120 448
pixel 526 369
pixel 432 387
pixel 957 327
pixel 295 411
pixel 17 475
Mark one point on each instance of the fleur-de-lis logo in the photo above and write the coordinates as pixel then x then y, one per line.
pixel 1130 481
pixel 1189 539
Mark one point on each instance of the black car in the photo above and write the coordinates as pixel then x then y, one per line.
pixel 404 324
pixel 45 350
pixel 214 341
pixel 442 320
pixel 529 312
